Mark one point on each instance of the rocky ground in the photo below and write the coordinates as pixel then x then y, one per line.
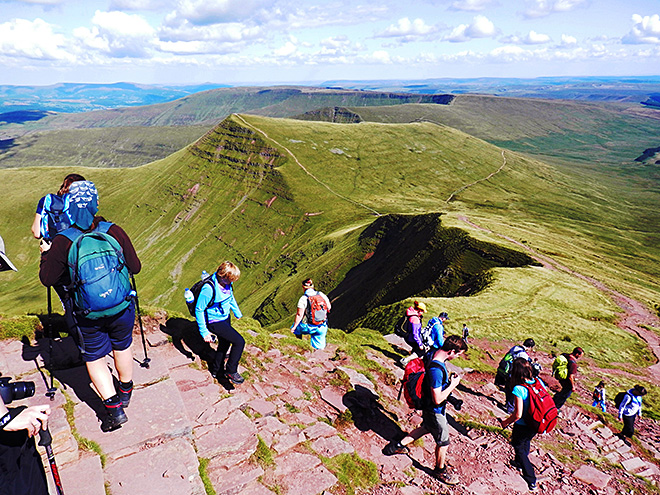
pixel 303 423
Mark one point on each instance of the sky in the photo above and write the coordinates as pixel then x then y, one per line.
pixel 278 41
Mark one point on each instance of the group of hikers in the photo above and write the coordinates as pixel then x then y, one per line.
pixel 531 410
pixel 89 262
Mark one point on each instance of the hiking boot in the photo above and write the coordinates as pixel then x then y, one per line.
pixel 515 464
pixel 532 487
pixel 125 392
pixel 446 476
pixel 116 418
pixel 393 448
pixel 235 378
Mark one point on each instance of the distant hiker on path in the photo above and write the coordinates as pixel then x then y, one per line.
pixel 441 384
pixel 313 307
pixel 466 333
pixel 522 434
pixel 564 369
pixel 212 309
pixel 630 408
pixel 503 373
pixel 104 320
pixel 599 397
pixel 414 337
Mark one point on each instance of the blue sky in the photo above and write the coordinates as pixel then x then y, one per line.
pixel 262 41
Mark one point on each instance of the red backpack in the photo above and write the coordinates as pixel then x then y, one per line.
pixel 317 309
pixel 415 389
pixel 542 411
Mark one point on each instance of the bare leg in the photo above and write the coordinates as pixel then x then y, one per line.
pixel 101 378
pixel 440 455
pixel 124 364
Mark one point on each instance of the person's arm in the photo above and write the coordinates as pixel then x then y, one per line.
pixel 624 404
pixel 440 395
pixel 132 261
pixel 416 327
pixel 515 415
pixel 36 226
pixel 299 316
pixel 234 307
pixel 203 301
pixel 31 419
pixel 327 301
pixel 54 263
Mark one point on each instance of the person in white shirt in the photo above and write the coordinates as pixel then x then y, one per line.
pixel 313 307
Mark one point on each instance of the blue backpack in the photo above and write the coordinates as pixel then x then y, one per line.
pixel 55 215
pixel 100 280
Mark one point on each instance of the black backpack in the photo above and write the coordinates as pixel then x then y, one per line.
pixel 196 289
pixel 402 327
pixel 619 399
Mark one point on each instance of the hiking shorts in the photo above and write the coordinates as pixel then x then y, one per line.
pixel 112 333
pixel 437 426
pixel 317 333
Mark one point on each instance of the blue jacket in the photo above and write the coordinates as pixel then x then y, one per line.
pixel 218 311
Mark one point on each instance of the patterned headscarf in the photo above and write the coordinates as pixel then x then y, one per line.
pixel 83 203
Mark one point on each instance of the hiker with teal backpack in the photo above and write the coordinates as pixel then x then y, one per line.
pixel 213 308
pixel 93 260
pixel 564 369
pixel 313 307
pixel 503 372
pixel 433 334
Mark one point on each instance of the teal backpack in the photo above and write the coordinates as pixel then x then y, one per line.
pixel 100 280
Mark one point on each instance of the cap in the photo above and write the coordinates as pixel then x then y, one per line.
pixel 443 315
pixel 420 305
pixel 529 343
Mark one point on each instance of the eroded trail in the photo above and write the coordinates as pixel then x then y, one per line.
pixel 634 316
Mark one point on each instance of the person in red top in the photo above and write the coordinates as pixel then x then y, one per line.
pixel 99 336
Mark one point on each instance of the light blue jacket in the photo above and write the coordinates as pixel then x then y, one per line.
pixel 631 405
pixel 218 311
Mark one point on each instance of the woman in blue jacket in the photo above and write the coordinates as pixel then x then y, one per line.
pixel 215 301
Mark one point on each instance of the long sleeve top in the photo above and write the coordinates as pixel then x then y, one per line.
pixel 207 311
pixel 415 319
pixel 631 405
pixel 54 268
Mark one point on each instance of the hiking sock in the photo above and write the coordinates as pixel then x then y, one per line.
pixel 125 391
pixel 116 415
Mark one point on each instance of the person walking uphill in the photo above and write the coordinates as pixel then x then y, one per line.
pixel 100 308
pixel 565 368
pixel 440 385
pixel 314 307
pixel 215 302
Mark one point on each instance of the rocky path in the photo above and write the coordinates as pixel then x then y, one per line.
pixel 300 425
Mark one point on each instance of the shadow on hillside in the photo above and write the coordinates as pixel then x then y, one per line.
pixel 368 414
pixel 465 389
pixel 187 340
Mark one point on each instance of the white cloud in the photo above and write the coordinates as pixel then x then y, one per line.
pixel 208 12
pixel 543 8
pixel 646 29
pixel 288 49
pixel 32 39
pixel 147 5
pixel 118 34
pixel 471 5
pixel 408 30
pixel 534 38
pixel 42 2
pixel 481 27
pixel 567 40
pixel 381 57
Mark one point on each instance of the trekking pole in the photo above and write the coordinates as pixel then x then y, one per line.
pixel 50 392
pixel 46 440
pixel 146 361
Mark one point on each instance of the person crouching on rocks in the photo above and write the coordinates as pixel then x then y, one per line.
pixel 212 309
pixel 314 307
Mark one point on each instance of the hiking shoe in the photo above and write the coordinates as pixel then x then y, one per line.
pixel 235 378
pixel 393 448
pixel 125 395
pixel 532 487
pixel 114 420
pixel 515 464
pixel 446 476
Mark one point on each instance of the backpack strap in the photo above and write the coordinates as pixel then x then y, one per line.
pixel 435 364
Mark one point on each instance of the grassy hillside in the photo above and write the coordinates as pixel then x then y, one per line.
pixel 356 207
pixel 115 147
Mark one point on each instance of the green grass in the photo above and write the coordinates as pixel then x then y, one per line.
pixel 263 455
pixel 208 486
pixel 83 443
pixel 354 474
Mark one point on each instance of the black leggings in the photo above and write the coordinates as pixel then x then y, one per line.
pixel 226 336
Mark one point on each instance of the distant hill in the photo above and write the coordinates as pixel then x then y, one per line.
pixel 85 97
